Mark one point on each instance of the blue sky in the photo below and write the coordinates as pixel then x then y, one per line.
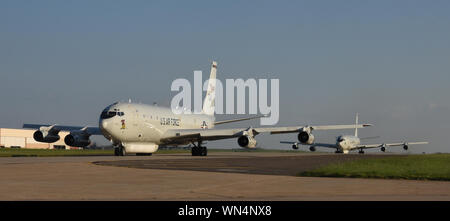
pixel 64 61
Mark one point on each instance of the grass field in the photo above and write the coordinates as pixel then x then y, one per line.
pixel 412 167
pixel 8 152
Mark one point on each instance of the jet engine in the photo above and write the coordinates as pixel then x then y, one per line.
pixel 46 135
pixel 247 142
pixel 383 147
pixel 77 139
pixel 306 137
pixel 405 146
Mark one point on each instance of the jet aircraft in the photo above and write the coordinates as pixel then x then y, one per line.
pixel 141 128
pixel 346 143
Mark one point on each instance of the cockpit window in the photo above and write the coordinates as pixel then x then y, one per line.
pixel 108 114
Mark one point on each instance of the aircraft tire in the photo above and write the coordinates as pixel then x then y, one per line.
pixel 116 151
pixel 122 151
pixel 203 151
pixel 195 151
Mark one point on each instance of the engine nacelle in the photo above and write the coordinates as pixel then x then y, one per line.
pixel 305 137
pixel 247 142
pixel 405 147
pixel 77 139
pixel 46 136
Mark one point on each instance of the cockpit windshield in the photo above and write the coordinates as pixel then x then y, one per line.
pixel 107 114
pixel 340 139
pixel 110 114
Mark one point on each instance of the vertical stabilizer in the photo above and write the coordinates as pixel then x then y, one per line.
pixel 210 99
pixel 356 123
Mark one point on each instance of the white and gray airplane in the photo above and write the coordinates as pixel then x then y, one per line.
pixel 141 129
pixel 346 143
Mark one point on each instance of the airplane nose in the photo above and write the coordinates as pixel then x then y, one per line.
pixel 104 127
pixel 104 124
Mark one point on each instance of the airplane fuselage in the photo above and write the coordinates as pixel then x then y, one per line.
pixel 346 143
pixel 124 123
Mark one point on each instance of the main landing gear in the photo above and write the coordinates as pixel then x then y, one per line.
pixel 199 150
pixel 361 151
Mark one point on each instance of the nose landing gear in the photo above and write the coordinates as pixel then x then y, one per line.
pixel 199 150
pixel 119 151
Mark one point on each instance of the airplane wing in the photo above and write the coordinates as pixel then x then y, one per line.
pixel 327 145
pixel 368 146
pixel 236 120
pixel 183 136
pixel 289 142
pixel 89 130
pixel 314 144
pixel 283 130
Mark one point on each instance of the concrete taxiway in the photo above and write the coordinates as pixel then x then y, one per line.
pixel 220 176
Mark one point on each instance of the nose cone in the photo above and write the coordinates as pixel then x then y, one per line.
pixel 339 141
pixel 103 124
pixel 105 128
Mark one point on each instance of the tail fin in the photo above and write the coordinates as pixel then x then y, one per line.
pixel 210 99
pixel 356 123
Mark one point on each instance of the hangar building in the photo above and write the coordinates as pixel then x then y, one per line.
pixel 23 138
